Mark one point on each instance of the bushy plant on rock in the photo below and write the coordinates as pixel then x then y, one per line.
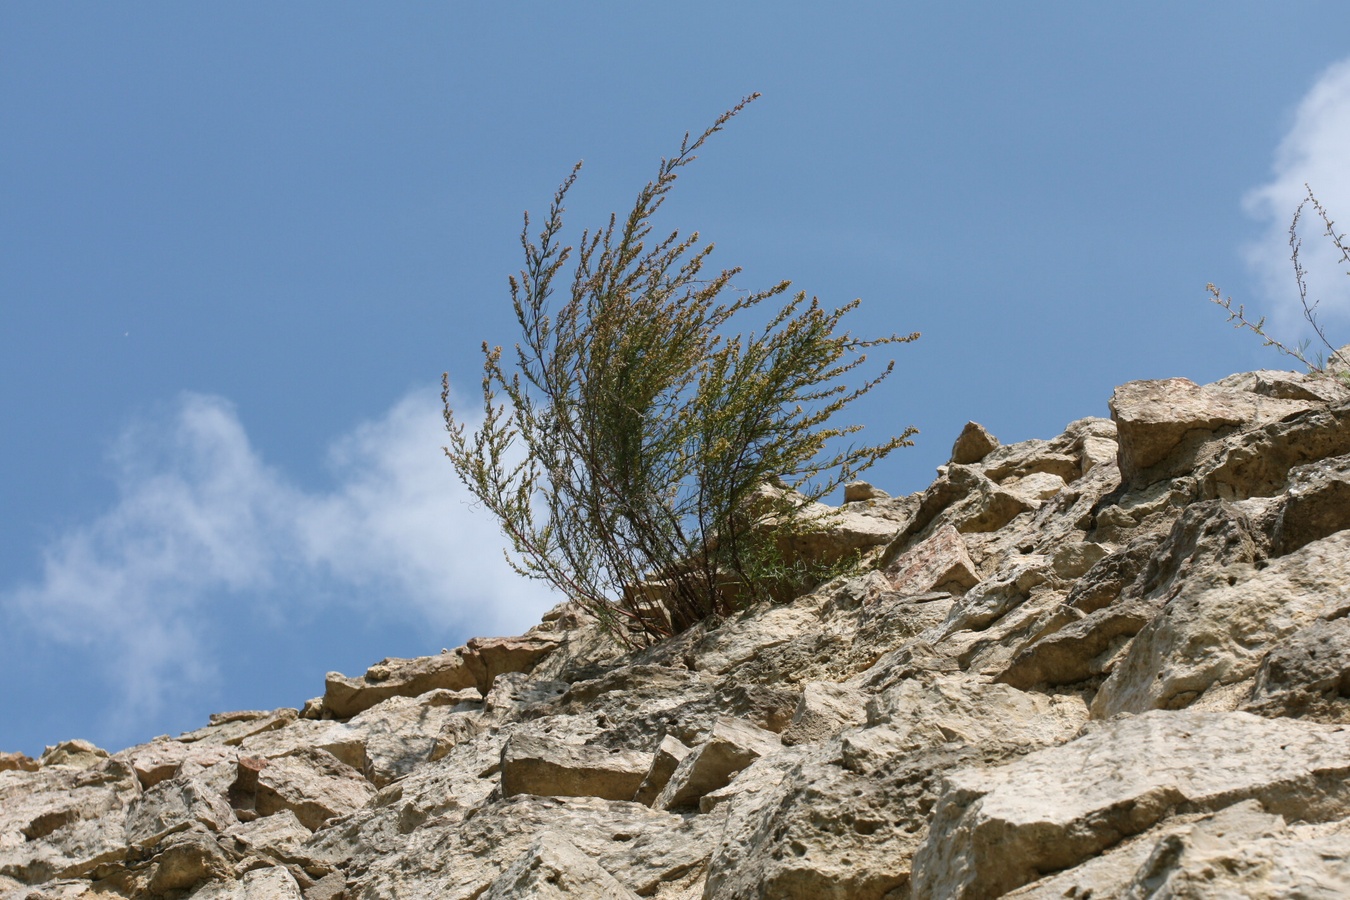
pixel 666 460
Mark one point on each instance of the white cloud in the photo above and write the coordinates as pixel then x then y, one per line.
pixel 204 529
pixel 1315 151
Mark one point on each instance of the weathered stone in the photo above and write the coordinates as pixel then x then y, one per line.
pixel 730 747
pixel 489 657
pixel 542 765
pixel 861 491
pixel 973 444
pixel 280 836
pixel 345 697
pixel 645 850
pixel 987 507
pixel 994 830
pixel 10 762
pixel 938 563
pixel 1316 504
pixel 175 805
pixel 64 821
pixel 161 759
pixel 270 883
pixel 667 758
pixel 74 754
pixel 1307 674
pixel 1166 421
pixel 922 713
pixel 232 729
pixel 840 824
pixel 313 784
pixel 1216 628
pixel 187 860
pixel 824 710
pixel 552 867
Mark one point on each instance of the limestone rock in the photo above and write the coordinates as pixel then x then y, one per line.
pixel 730 747
pixel 175 805
pixel 1159 421
pixel 1316 504
pixel 233 728
pixel 64 821
pixel 1111 663
pixel 669 753
pixel 973 444
pixel 941 562
pixel 161 759
pixel 825 709
pixel 551 868
pixel 1307 674
pixel 345 697
pixel 10 762
pixel 997 829
pixel 271 883
pixel 313 784
pixel 187 860
pixel 1215 630
pixel 74 755
pixel 860 491
pixel 489 657
pixel 533 764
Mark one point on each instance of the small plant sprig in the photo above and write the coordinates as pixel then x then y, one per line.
pixel 1320 363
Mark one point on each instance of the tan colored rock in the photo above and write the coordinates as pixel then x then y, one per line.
pixel 824 710
pixel 64 821
pixel 161 759
pixel 669 753
pixel 233 728
pixel 1306 674
pixel 731 746
pixel 74 755
pixel 1315 504
pixel 945 708
pixel 489 657
pixel 987 507
pixel 938 563
pixel 1287 385
pixel 650 852
pixel 1240 851
pixel 553 868
pixel 1166 421
pixel 841 821
pixel 1215 630
pixel 175 805
pixel 271 883
pixel 973 444
pixel 545 767
pixel 280 836
pixel 345 697
pixel 187 860
pixel 12 762
pixel 994 830
pixel 313 784
pixel 861 491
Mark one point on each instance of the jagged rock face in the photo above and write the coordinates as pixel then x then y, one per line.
pixel 1113 664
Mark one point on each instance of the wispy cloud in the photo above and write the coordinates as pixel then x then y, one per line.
pixel 204 528
pixel 1313 152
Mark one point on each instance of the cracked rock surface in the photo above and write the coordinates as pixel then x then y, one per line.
pixel 1109 664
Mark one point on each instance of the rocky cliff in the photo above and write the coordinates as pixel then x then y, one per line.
pixel 1111 664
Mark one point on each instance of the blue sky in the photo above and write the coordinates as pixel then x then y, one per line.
pixel 242 241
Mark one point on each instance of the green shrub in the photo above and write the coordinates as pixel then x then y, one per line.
pixel 652 437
